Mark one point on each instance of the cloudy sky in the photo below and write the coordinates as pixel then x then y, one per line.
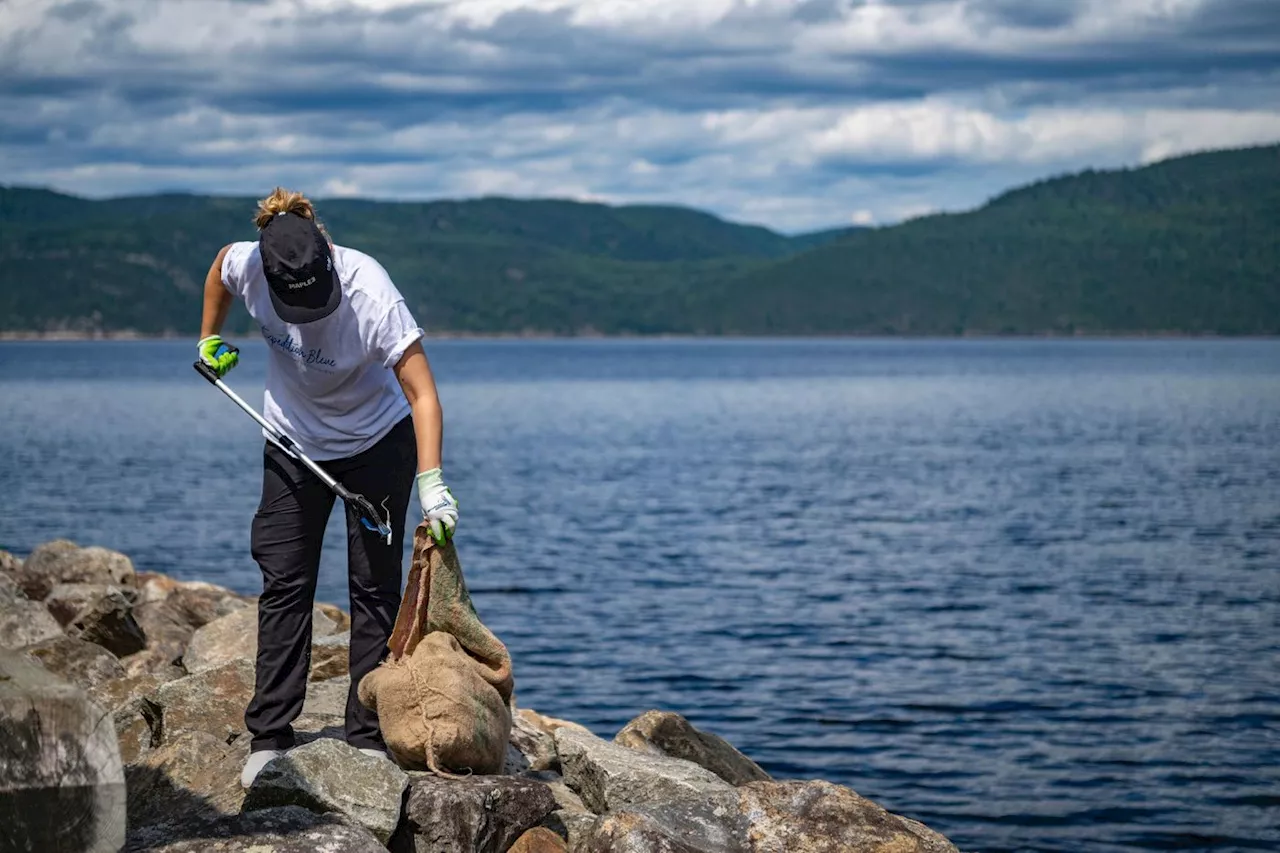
pixel 793 113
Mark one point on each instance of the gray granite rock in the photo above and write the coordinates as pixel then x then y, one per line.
pixel 481 814
pixel 535 743
pixel 819 817
pixel 571 820
pixel 135 715
pixel 633 832
pixel 84 664
pixel 190 775
pixel 610 778
pixel 62 561
pixel 212 700
pixel 331 776
pixel 328 696
pixel 66 600
pixel 290 829
pixel 330 656
pixel 61 781
pixel 108 621
pixel 235 637
pixel 665 733
pixel 24 622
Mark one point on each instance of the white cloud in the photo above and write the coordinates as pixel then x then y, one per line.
pixel 795 114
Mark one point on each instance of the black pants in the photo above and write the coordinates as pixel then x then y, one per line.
pixel 287 533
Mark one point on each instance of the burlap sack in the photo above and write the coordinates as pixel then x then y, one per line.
pixel 442 695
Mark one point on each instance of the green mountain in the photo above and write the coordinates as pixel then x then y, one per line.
pixel 1188 245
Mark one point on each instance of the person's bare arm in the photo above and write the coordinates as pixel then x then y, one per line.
pixel 217 299
pixel 414 375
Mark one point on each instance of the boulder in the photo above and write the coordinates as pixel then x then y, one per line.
pixel 571 820
pixel 235 637
pixel 202 603
pixel 664 733
pixel 284 830
pixel 84 664
pixel 331 776
pixel 24 622
pixel 61 561
pixel 193 773
pixel 161 662
pixel 34 575
pixel 611 778
pixel 330 656
pixel 481 814
pixel 9 589
pixel 9 564
pixel 136 716
pixel 313 727
pixel 539 840
pixel 328 697
pixel 632 832
pixel 108 622
pixel 819 817
pixel 535 743
pixel 66 600
pixel 61 781
pixel 212 700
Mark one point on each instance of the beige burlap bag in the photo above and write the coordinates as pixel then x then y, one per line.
pixel 442 695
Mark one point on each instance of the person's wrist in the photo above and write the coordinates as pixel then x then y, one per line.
pixel 429 478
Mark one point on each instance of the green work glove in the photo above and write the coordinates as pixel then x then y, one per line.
pixel 439 509
pixel 218 354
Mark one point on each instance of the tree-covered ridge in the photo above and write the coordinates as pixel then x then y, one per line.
pixel 1188 245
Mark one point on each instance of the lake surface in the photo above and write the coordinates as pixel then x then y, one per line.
pixel 1026 592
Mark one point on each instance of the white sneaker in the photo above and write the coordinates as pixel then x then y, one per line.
pixel 257 761
pixel 376 753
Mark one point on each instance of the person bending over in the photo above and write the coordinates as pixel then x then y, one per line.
pixel 348 381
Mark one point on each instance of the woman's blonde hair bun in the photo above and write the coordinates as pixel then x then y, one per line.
pixel 281 201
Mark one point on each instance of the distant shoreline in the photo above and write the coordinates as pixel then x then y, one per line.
pixel 62 336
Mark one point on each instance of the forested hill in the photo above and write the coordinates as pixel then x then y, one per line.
pixel 1188 245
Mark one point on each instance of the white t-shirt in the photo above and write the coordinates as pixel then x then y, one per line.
pixel 329 383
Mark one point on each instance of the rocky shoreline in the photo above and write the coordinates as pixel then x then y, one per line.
pixel 168 666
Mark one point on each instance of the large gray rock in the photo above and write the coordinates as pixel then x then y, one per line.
pixel 571 820
pixel 83 664
pixel 9 589
pixel 212 700
pixel 536 743
pixel 108 622
pixel 24 622
pixel 61 781
pixel 136 717
pixel 611 778
pixel 481 814
pixel 331 776
pixel 633 832
pixel 330 656
pixel 665 733
pixel 66 600
pixel 284 830
pixel 61 561
pixel 819 817
pixel 328 697
pixel 235 637
pixel 192 774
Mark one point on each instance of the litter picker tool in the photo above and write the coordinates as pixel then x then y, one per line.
pixel 363 509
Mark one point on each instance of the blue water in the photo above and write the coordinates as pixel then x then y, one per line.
pixel 1027 592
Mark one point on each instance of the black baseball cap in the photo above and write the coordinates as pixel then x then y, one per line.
pixel 299 269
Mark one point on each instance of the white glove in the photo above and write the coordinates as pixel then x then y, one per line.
pixel 439 509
